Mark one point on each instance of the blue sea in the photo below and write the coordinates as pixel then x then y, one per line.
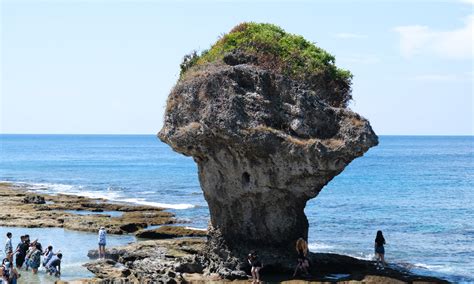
pixel 419 190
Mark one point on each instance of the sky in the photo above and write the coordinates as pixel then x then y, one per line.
pixel 107 67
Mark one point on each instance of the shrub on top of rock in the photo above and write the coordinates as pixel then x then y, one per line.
pixel 271 48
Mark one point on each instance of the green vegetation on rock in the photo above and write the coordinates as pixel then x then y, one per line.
pixel 288 54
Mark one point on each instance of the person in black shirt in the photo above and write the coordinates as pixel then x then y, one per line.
pixel 256 265
pixel 303 261
pixel 21 250
pixel 379 248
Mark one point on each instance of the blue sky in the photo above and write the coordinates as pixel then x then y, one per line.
pixel 108 66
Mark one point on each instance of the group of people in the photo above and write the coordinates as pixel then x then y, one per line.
pixel 28 255
pixel 303 262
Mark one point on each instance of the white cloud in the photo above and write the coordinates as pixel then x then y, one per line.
pixel 350 35
pixel 456 43
pixel 467 1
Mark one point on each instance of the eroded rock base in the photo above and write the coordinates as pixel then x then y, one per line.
pixel 188 260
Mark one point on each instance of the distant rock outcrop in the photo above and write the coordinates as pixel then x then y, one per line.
pixel 34 199
pixel 169 232
pixel 265 143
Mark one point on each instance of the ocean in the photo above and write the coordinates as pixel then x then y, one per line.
pixel 419 190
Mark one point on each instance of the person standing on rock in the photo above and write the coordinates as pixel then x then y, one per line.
pixel 102 242
pixel 256 265
pixel 303 261
pixel 379 249
pixel 8 244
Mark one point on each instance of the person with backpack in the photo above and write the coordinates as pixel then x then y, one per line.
pixel 31 249
pixel 35 258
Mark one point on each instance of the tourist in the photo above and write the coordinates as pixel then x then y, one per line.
pixel 5 270
pixel 8 244
pixel 35 258
pixel 30 250
pixel 54 265
pixel 303 261
pixel 380 250
pixel 20 251
pixel 10 256
pixel 256 265
pixel 9 275
pixel 48 254
pixel 102 242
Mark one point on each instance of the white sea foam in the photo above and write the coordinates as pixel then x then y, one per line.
pixel 57 188
pixel 197 229
pixel 319 247
pixel 179 206
pixel 337 276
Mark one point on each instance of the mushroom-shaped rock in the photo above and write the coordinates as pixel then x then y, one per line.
pixel 265 140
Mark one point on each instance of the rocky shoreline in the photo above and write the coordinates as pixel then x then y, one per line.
pixel 176 254
pixel 181 261
pixel 24 208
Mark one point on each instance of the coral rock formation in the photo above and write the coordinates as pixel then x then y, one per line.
pixel 264 142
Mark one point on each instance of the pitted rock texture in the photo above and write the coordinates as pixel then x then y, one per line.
pixel 264 145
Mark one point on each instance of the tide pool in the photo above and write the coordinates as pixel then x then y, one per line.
pixel 72 244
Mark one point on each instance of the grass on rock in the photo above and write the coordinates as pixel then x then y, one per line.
pixel 285 53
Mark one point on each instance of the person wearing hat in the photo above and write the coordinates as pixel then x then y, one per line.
pixel 102 242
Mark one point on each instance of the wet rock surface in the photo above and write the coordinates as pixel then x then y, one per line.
pixel 182 261
pixel 21 208
pixel 155 261
pixel 168 232
pixel 33 198
pixel 264 145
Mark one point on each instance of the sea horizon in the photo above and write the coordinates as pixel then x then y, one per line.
pixel 155 134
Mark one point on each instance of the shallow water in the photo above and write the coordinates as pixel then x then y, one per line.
pixel 73 245
pixel 418 190
pixel 109 213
